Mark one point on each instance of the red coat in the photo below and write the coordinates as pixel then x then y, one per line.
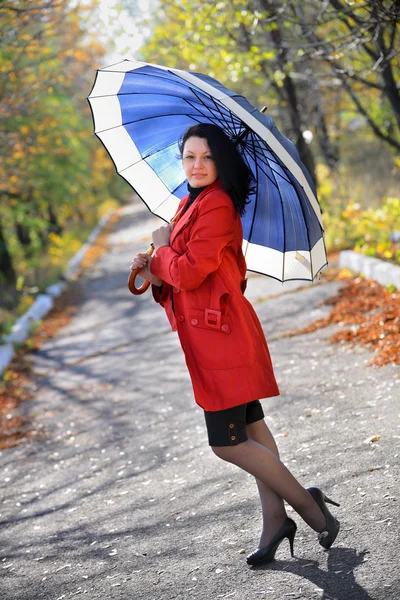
pixel 203 271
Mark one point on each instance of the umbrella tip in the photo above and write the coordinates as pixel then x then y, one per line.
pixel 264 108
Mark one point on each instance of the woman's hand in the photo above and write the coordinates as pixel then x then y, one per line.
pixel 142 261
pixel 161 235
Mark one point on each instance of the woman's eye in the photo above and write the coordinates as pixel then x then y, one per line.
pixel 190 157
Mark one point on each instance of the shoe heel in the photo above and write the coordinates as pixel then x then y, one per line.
pixel 264 555
pixel 291 542
pixel 330 501
pixel 327 536
pixel 291 534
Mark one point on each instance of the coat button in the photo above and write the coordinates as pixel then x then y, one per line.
pixel 225 328
pixel 231 426
pixel 177 290
pixel 181 318
pixel 233 437
pixel 194 321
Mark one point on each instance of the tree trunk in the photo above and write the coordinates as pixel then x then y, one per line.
pixel 289 87
pixel 23 237
pixel 391 89
pixel 304 149
pixel 329 150
pixel 54 226
pixel 7 273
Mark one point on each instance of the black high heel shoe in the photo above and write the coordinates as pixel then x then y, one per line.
pixel 332 526
pixel 264 555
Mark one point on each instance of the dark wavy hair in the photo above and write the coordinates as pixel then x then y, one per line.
pixel 235 176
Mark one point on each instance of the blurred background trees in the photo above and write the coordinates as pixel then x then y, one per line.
pixel 55 178
pixel 328 71
pixel 325 69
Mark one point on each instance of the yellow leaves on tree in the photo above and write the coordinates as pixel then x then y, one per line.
pixel 54 175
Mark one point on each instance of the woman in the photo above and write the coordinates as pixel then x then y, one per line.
pixel 198 276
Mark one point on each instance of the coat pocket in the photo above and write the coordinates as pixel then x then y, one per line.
pixel 213 342
pixel 210 319
pixel 219 294
pixel 212 337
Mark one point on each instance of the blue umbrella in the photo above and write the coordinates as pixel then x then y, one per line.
pixel 140 112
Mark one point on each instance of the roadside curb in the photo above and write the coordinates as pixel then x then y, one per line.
pixel 44 302
pixel 373 268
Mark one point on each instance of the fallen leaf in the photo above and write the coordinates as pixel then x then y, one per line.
pixel 372 439
pixel 373 313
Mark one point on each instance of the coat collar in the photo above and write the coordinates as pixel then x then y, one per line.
pixel 188 214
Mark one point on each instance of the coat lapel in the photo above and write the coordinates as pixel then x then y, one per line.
pixel 187 216
pixel 182 220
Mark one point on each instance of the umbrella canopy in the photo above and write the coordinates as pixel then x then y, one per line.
pixel 140 112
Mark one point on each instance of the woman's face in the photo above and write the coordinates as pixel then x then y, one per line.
pixel 198 162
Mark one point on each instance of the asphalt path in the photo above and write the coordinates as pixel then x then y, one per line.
pixel 120 497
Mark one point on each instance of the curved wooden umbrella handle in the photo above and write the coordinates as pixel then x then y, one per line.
pixel 132 276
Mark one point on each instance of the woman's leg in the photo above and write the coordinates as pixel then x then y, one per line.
pixel 273 509
pixel 261 462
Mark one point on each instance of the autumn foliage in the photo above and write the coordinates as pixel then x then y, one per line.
pixel 55 177
pixel 369 315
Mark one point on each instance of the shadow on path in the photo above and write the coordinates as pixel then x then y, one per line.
pixel 337 582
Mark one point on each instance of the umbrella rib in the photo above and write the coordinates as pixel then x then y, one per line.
pixel 143 158
pixel 263 145
pixel 308 233
pixel 159 74
pixel 283 220
pixel 256 145
pixel 226 111
pixel 243 149
pixel 192 104
pixel 271 159
pixel 256 200
pixel 285 169
pixel 280 280
pixel 198 92
pixel 267 175
pixel 150 118
pixel 155 93
pixel 306 229
pixel 220 108
pixel 221 120
pixel 263 170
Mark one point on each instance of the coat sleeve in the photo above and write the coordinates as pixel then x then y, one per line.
pixel 161 293
pixel 212 231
